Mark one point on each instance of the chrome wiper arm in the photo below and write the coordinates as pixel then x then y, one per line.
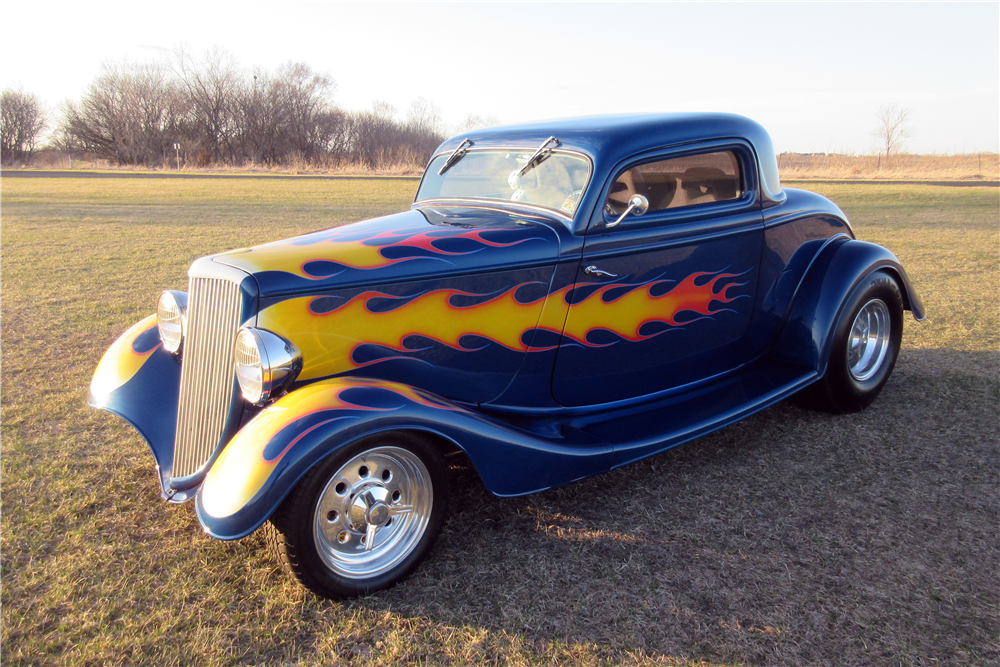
pixel 455 156
pixel 541 149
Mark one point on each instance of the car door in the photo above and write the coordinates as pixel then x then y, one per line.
pixel 664 299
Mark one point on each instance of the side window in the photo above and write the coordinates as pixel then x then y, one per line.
pixel 677 182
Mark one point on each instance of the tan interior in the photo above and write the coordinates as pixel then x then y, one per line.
pixel 668 189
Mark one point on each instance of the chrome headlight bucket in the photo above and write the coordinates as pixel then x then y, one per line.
pixel 266 364
pixel 171 319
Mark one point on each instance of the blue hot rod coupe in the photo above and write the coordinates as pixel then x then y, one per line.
pixel 562 298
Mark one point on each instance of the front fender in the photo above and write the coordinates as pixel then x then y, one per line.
pixel 139 381
pixel 265 460
pixel 839 268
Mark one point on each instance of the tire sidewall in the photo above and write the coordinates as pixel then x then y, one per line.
pixel 846 391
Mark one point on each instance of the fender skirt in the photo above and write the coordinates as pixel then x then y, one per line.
pixel 265 460
pixel 839 268
pixel 139 381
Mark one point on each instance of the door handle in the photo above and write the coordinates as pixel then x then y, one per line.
pixel 594 271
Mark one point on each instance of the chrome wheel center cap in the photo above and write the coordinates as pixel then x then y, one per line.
pixel 378 514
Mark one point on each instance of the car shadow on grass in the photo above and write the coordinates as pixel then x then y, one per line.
pixel 793 535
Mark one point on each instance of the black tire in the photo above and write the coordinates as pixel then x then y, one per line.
pixel 852 379
pixel 368 486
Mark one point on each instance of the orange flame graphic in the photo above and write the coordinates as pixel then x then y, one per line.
pixel 244 467
pixel 626 315
pixel 329 340
pixel 325 254
pixel 122 361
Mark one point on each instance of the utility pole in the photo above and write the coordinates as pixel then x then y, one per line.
pixel 177 149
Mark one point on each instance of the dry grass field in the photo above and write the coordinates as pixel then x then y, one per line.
pixel 968 166
pixel 795 166
pixel 790 538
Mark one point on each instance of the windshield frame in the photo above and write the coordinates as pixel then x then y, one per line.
pixel 489 202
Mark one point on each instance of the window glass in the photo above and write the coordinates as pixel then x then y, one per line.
pixel 680 181
pixel 556 180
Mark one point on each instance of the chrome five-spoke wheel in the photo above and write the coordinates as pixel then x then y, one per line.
pixel 373 511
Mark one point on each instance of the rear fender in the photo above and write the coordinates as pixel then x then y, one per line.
pixel 268 457
pixel 839 268
pixel 139 381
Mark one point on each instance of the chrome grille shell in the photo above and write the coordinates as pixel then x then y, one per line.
pixel 215 312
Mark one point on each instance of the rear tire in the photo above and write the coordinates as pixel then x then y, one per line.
pixel 364 518
pixel 865 347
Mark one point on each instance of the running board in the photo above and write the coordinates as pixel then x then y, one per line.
pixel 642 430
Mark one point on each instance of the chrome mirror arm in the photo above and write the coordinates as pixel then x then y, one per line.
pixel 637 205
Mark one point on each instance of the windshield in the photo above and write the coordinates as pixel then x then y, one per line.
pixel 555 181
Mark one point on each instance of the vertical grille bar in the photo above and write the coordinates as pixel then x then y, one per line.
pixel 207 372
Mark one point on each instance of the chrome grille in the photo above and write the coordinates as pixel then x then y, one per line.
pixel 207 372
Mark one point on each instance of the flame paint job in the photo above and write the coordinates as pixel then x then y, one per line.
pixel 329 340
pixel 330 333
pixel 625 315
pixel 376 249
pixel 124 359
pixel 261 465
pixel 139 381
pixel 252 457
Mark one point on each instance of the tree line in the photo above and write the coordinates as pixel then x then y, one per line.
pixel 212 111
pixel 22 121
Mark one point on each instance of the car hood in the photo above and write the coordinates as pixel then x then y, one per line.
pixel 420 243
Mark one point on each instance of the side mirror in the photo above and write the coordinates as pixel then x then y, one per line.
pixel 637 205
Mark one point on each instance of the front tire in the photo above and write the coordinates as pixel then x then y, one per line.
pixel 865 347
pixel 364 518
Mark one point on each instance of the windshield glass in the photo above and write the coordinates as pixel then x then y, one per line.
pixel 555 181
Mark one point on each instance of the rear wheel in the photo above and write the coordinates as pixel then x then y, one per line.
pixel 865 346
pixel 364 518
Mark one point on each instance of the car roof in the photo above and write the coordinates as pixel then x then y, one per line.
pixel 608 140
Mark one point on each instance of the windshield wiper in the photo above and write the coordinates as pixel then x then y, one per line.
pixel 541 149
pixel 455 156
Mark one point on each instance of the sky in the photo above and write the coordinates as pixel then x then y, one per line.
pixel 813 74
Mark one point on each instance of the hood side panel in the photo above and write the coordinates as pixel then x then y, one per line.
pixel 460 337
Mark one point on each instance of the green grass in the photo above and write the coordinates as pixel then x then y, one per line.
pixel 790 538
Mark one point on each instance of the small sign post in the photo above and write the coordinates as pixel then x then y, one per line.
pixel 177 148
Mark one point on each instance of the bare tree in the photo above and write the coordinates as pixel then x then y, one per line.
pixel 308 112
pixel 133 114
pixel 477 122
pixel 424 116
pixel 286 115
pixel 211 85
pixel 22 120
pixel 375 136
pixel 130 114
pixel 383 110
pixel 891 129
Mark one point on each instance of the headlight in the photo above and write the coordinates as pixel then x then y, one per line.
pixel 171 319
pixel 265 364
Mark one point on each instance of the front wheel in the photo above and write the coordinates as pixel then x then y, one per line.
pixel 364 518
pixel 865 346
